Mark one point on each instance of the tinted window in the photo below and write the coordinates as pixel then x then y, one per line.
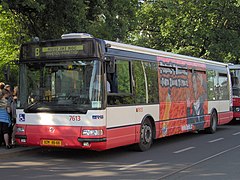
pixel 217 85
pixel 152 81
pixel 120 84
pixel 146 82
pixel 123 76
pixel 139 74
pixel 223 87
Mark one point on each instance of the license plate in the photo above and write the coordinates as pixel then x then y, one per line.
pixel 52 142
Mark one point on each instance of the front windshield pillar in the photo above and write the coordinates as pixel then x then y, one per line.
pixel 95 91
pixel 22 88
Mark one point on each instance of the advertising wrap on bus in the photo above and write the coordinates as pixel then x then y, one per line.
pixel 183 92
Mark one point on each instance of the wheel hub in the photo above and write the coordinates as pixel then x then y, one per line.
pixel 147 134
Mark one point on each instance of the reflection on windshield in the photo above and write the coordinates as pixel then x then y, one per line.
pixel 65 86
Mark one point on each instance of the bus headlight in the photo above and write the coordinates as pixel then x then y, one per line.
pixel 20 129
pixel 92 132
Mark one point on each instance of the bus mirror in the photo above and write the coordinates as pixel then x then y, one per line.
pixel 111 65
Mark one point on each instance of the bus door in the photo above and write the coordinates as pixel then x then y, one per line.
pixel 120 102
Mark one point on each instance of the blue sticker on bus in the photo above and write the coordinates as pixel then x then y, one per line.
pixel 97 116
pixel 22 117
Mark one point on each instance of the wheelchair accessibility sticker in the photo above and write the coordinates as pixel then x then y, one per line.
pixel 22 117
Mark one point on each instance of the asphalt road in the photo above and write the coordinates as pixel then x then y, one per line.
pixel 188 156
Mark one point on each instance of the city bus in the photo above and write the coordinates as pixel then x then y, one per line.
pixel 88 93
pixel 235 78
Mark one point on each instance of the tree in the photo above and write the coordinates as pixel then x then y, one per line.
pixel 207 29
pixel 110 19
pixel 10 40
pixel 48 19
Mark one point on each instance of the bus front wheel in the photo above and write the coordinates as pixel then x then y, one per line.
pixel 146 136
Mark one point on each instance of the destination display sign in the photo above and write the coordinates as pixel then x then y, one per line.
pixel 60 49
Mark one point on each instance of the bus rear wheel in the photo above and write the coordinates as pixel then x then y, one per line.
pixel 213 123
pixel 146 136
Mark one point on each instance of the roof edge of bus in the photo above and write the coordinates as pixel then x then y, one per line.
pixel 149 51
pixel 68 36
pixel 76 35
pixel 234 66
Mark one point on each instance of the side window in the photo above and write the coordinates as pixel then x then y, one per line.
pixel 152 83
pixel 211 83
pixel 223 87
pixel 146 82
pixel 123 76
pixel 217 85
pixel 119 83
pixel 139 75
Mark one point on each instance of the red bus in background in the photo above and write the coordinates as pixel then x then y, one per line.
pixel 85 92
pixel 235 78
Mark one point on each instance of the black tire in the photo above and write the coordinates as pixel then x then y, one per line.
pixel 146 136
pixel 213 123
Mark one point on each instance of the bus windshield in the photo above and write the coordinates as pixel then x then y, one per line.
pixel 72 86
pixel 235 77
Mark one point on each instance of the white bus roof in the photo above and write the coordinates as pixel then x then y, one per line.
pixel 234 66
pixel 143 50
pixel 76 35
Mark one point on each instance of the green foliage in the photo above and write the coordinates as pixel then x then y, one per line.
pixel 207 29
pixel 49 19
pixel 109 19
pixel 10 40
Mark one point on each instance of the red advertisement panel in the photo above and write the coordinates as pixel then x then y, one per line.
pixel 183 94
